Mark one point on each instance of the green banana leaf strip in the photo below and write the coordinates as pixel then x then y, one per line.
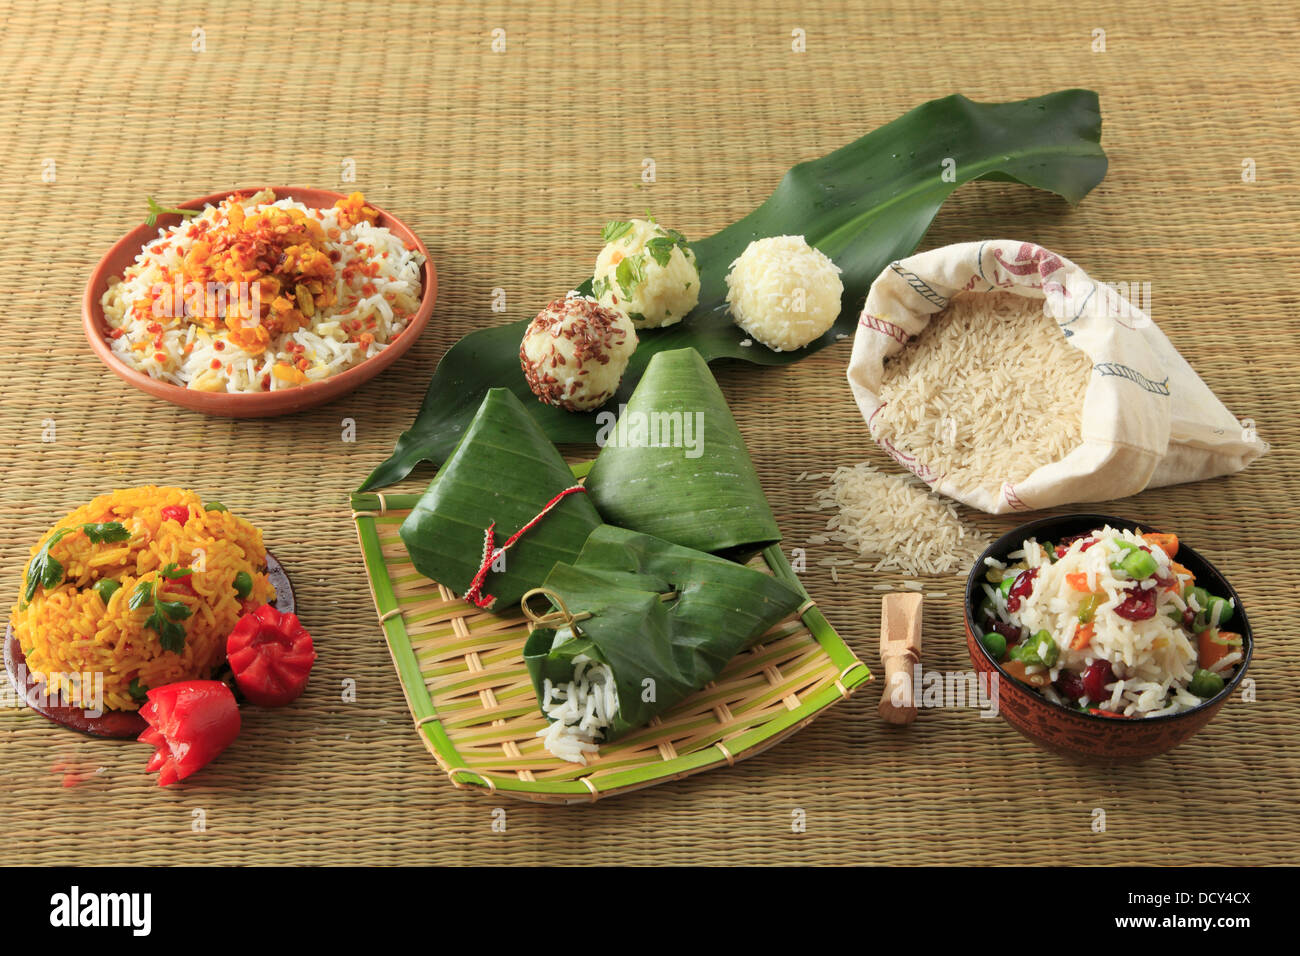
pixel 659 651
pixel 504 470
pixel 865 205
pixel 675 465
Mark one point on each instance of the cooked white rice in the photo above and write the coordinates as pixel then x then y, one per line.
pixel 989 391
pixel 1151 659
pixel 580 711
pixel 374 309
pixel 895 523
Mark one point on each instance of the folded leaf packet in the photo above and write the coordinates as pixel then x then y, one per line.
pixel 637 625
pixel 674 464
pixel 502 476
pixel 1147 418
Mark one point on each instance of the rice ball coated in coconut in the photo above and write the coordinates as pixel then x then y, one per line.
pixel 783 292
pixel 575 352
pixel 646 272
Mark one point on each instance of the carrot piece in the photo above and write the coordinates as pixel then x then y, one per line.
pixel 1168 543
pixel 1179 573
pixel 1083 636
pixel 1213 646
pixel 1017 670
pixel 1079 582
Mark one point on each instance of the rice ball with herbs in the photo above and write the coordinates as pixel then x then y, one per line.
pixel 646 272
pixel 783 292
pixel 575 352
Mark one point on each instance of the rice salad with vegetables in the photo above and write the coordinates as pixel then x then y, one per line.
pixel 257 294
pixel 1109 623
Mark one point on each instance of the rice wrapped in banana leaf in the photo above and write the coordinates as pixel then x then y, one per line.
pixel 675 465
pixel 637 624
pixel 503 476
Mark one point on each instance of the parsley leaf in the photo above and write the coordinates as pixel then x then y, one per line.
pixel 108 531
pixel 137 690
pixel 599 287
pixel 173 571
pixel 630 274
pixel 141 596
pixel 615 228
pixel 156 210
pixel 47 571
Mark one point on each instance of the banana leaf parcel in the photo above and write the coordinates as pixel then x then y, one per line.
pixel 502 477
pixel 675 466
pixel 658 619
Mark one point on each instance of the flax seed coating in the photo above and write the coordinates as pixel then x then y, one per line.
pixel 575 352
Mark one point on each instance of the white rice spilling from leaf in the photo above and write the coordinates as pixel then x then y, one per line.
pixel 896 521
pixel 581 710
pixel 988 392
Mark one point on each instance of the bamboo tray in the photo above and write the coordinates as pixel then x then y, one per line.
pixel 464 678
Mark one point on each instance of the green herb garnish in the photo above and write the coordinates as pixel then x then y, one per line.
pixel 47 571
pixel 156 210
pixel 630 274
pixel 137 690
pixel 615 228
pixel 164 620
pixel 661 247
pixel 599 287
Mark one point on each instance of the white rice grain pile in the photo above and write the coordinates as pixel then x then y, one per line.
pixel 581 710
pixel 988 392
pixel 894 520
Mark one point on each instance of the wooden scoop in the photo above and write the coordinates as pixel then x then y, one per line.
pixel 900 650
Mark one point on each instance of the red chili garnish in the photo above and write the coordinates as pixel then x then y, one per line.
pixel 178 513
pixel 1140 605
pixel 219 345
pixel 271 655
pixel 190 723
pixel 1021 589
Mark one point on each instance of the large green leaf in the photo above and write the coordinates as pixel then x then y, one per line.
pixel 679 644
pixel 864 205
pixel 503 472
pixel 675 465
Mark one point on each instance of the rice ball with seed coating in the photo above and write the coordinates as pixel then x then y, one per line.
pixel 646 272
pixel 575 352
pixel 784 292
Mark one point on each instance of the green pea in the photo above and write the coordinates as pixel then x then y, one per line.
pixel 1008 580
pixel 1205 683
pixel 243 584
pixel 995 644
pixel 215 506
pixel 106 588
pixel 1139 565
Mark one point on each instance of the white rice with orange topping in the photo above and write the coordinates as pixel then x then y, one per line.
pixel 373 293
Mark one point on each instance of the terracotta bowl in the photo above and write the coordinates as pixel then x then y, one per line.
pixel 263 404
pixel 1104 741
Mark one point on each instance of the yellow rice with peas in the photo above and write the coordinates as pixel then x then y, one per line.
pixel 68 628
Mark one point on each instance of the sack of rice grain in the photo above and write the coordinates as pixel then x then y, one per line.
pixel 1006 378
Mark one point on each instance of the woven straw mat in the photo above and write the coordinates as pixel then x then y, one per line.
pixel 507 164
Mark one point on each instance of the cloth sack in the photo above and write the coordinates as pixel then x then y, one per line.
pixel 1148 419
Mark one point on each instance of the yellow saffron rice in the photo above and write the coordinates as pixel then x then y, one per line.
pixel 68 629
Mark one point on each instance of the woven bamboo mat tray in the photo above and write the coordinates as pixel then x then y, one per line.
pixel 463 674
pixel 507 164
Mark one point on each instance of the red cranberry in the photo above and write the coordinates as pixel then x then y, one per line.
pixel 1007 630
pixel 1189 618
pixel 1140 605
pixel 1021 589
pixel 1070 685
pixel 1095 678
